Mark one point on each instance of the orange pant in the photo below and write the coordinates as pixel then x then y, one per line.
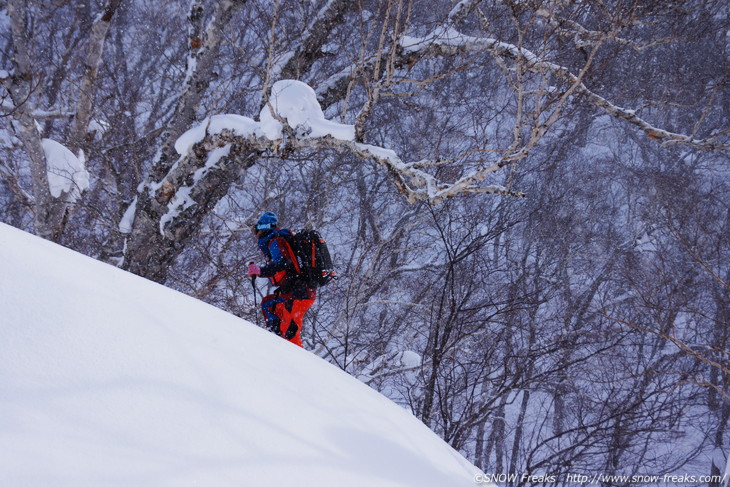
pixel 285 314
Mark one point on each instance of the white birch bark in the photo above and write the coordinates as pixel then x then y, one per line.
pixel 20 86
pixel 158 226
pixel 50 213
pixel 87 91
pixel 448 42
pixel 204 41
pixel 309 47
pixel 147 252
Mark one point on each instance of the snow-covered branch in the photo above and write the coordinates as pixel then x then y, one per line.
pixel 142 219
pixel 203 40
pixel 461 10
pixel 585 37
pixel 447 41
pixel 306 129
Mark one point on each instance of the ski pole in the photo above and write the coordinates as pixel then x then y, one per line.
pixel 253 284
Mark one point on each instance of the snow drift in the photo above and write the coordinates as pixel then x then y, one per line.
pixel 109 379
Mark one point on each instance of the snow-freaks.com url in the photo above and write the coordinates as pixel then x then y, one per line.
pixel 598 478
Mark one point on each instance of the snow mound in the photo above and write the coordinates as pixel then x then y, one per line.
pixel 291 100
pixel 107 379
pixel 296 102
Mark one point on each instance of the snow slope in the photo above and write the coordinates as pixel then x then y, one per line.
pixel 107 379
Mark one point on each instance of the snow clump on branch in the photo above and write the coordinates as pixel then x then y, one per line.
pixel 67 175
pixel 291 101
pixel 293 110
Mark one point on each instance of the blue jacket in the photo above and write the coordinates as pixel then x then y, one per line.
pixel 279 267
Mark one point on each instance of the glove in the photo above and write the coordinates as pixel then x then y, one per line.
pixel 253 270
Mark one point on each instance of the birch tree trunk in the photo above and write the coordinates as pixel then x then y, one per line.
pixel 50 213
pixel 87 90
pixel 158 235
pixel 149 251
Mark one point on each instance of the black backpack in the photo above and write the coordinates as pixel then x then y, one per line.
pixel 313 258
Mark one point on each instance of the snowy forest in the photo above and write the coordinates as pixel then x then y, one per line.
pixel 527 201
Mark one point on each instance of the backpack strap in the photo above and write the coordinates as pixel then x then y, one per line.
pixel 287 252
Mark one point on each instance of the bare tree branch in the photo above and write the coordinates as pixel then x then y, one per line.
pixel 685 349
pixel 449 42
pixel 309 47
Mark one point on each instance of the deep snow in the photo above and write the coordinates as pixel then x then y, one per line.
pixel 108 379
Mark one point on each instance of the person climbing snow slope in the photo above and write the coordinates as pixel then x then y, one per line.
pixel 284 309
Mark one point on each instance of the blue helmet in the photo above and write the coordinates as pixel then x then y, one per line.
pixel 267 221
